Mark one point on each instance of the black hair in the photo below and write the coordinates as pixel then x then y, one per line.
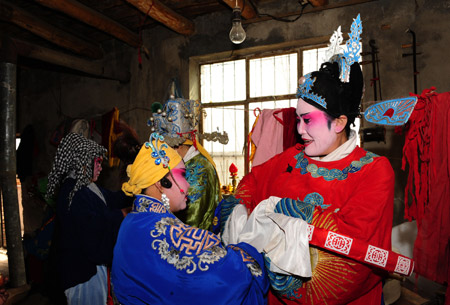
pixel 330 119
pixel 342 98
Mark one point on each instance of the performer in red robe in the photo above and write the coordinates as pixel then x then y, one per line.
pixel 351 189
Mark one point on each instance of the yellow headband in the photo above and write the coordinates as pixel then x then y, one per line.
pixel 151 164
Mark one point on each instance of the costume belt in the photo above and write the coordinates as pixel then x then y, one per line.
pixel 360 250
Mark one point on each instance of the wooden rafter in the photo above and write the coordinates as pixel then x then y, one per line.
pixel 247 9
pixel 318 3
pixel 27 21
pixel 165 15
pixel 93 68
pixel 93 18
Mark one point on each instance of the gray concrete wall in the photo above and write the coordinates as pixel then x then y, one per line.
pixel 46 98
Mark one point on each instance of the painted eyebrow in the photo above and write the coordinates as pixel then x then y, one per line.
pixel 303 114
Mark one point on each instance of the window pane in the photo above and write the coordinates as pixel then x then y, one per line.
pixel 231 120
pixel 312 59
pixel 222 82
pixel 275 75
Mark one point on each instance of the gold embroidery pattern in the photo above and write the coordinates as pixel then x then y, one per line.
pixel 144 204
pixel 249 261
pixel 190 248
pixel 330 272
pixel 328 276
pixel 243 193
pixel 192 240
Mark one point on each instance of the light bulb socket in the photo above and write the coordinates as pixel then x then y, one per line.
pixel 236 16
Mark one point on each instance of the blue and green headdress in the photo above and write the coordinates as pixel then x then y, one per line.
pixel 337 87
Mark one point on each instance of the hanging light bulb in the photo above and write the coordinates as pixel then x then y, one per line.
pixel 237 33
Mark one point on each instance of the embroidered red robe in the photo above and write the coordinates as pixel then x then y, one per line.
pixel 357 193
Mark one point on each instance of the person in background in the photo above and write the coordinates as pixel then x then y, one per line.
pixel 330 183
pixel 88 219
pixel 160 260
pixel 125 147
pixel 177 122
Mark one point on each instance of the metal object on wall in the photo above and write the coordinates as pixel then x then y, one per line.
pixel 373 134
pixel 375 81
pixel 414 55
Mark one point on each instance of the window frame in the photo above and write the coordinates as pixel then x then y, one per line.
pixel 195 63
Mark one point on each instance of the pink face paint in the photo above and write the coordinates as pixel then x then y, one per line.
pixel 176 193
pixel 97 168
pixel 314 119
pixel 316 130
pixel 179 173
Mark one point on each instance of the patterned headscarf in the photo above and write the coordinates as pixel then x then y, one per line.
pixel 75 156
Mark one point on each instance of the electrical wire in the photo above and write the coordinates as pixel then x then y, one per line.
pixel 302 3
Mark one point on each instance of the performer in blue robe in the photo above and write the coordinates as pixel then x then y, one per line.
pixel 160 260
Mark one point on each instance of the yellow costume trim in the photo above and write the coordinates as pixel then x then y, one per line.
pixel 202 150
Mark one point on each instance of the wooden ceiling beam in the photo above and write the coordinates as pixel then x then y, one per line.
pixel 93 18
pixel 318 3
pixel 93 68
pixel 13 14
pixel 247 9
pixel 165 15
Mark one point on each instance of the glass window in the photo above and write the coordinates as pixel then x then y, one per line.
pixel 225 82
pixel 228 105
pixel 221 82
pixel 312 59
pixel 274 75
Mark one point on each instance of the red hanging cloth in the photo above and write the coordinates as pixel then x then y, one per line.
pixel 427 193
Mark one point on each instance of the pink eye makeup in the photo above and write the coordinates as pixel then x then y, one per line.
pixel 314 117
pixel 179 173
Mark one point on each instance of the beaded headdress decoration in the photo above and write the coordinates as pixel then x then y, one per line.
pixel 178 119
pixel 158 152
pixel 305 90
pixel 392 112
pixel 345 57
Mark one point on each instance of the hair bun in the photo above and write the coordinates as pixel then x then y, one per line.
pixel 331 68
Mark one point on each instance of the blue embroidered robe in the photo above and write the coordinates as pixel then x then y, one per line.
pixel 160 260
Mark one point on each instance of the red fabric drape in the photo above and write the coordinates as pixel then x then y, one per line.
pixel 290 134
pixel 427 193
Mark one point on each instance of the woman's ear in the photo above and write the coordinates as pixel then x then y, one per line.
pixel 153 190
pixel 158 186
pixel 341 122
